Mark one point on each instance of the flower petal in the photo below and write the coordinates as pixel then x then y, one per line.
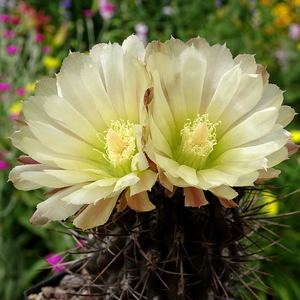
pixel 139 202
pixel 95 214
pixel 224 192
pixel 146 181
pixel 55 209
pixel 194 197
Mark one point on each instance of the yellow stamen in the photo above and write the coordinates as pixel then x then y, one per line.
pixel 197 142
pixel 120 145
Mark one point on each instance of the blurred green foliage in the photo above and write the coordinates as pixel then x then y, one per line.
pixel 269 29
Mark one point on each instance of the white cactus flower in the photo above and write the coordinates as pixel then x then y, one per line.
pixel 214 122
pixel 83 132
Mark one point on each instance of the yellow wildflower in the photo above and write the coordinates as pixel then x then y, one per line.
pixel 295 133
pixel 283 14
pixel 51 62
pixel 30 87
pixel 15 109
pixel 295 2
pixel 271 207
pixel 281 9
pixel 266 2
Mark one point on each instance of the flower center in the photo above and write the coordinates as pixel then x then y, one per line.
pixel 197 142
pixel 120 145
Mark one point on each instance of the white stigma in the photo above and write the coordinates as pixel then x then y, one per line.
pixel 114 141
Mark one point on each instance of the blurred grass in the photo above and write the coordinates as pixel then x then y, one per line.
pixel 245 26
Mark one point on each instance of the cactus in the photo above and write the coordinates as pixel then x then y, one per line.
pixel 177 252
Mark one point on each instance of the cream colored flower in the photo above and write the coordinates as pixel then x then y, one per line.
pixel 214 122
pixel 83 132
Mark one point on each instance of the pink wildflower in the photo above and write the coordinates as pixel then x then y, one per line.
pixel 87 13
pixel 14 20
pixel 106 9
pixel 4 18
pixel 79 244
pixel 21 91
pixel 3 165
pixel 141 31
pixel 12 49
pixel 56 261
pixel 39 37
pixel 46 49
pixel 294 32
pixel 5 86
pixel 9 33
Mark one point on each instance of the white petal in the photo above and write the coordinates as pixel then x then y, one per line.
pixel 224 93
pixel 248 179
pixel 91 193
pixel 59 113
pixel 189 175
pixel 286 115
pixel 19 178
pixel 247 130
pixel 250 91
pixel 45 87
pixel 55 209
pixel 146 181
pixel 134 46
pixel 95 214
pixel 247 63
pixel 216 177
pixel 126 181
pixel 225 192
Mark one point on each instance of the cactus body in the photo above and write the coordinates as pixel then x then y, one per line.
pixel 173 252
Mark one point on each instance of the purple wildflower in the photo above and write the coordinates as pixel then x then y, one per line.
pixel 106 9
pixel 12 49
pixel 141 31
pixel 21 91
pixel 3 165
pixel 9 33
pixel 294 32
pixel 87 13
pixel 5 86
pixel 56 261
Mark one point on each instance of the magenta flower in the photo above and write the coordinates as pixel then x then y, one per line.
pixel 5 86
pixel 87 13
pixel 14 20
pixel 56 261
pixel 3 165
pixel 12 49
pixel 21 91
pixel 9 33
pixel 4 18
pixel 79 244
pixel 46 49
pixel 39 37
pixel 106 9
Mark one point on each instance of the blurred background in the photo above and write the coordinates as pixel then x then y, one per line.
pixel 36 35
